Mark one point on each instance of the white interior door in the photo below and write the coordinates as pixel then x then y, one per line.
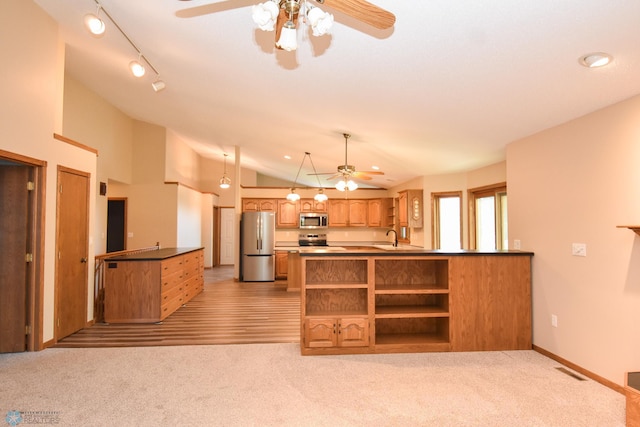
pixel 227 240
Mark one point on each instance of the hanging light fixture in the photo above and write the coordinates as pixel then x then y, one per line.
pixel 320 197
pixel 225 181
pixel 265 15
pixel 293 196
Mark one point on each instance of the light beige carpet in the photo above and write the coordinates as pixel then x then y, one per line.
pixel 272 385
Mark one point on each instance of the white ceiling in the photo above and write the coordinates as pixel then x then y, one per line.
pixel 442 91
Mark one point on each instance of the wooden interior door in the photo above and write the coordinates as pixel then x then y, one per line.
pixel 14 232
pixel 72 251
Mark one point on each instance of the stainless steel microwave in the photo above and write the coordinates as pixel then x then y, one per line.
pixel 314 220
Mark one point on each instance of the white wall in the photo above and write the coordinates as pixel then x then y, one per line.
pixel 189 230
pixel 575 183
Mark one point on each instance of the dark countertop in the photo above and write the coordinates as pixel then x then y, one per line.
pixel 155 255
pixel 399 251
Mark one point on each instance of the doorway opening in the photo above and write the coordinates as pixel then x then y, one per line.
pixel 116 224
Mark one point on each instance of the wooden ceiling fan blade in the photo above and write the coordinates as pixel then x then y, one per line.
pixel 206 9
pixel 363 11
pixel 361 176
pixel 371 172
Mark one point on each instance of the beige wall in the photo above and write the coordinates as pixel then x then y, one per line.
pixel 574 184
pixel 31 83
pixel 90 120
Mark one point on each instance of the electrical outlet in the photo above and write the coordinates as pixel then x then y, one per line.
pixel 516 244
pixel 554 320
pixel 579 249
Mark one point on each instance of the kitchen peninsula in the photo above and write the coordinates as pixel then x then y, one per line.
pixel 146 287
pixel 388 300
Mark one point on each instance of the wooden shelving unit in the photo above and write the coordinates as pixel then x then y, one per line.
pixel 411 304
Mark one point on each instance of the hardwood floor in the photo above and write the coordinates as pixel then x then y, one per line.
pixel 226 312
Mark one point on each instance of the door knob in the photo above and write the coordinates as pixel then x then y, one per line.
pixel 83 260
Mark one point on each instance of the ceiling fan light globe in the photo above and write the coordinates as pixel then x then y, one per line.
pixel 341 185
pixel 265 15
pixel 288 37
pixel 321 23
pixel 351 185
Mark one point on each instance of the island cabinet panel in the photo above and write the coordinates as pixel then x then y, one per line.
pixel 148 287
pixel 490 303
pixel 408 302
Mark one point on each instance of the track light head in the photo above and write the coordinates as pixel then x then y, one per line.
pixel 94 24
pixel 137 69
pixel 158 85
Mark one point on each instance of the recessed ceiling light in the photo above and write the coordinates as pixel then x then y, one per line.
pixel 596 59
pixel 288 157
pixel 375 168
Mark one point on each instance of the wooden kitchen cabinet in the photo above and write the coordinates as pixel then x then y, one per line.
pixel 149 286
pixel 335 305
pixel 358 213
pixel 338 213
pixel 380 212
pixel 282 265
pixel 259 205
pixel 410 209
pixel 348 213
pixel 288 214
pixel 311 205
pixel 338 332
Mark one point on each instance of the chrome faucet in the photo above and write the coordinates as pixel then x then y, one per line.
pixel 395 233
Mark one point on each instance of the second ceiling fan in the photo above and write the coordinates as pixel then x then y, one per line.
pixel 348 172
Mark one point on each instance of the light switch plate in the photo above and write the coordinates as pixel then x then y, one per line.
pixel 579 249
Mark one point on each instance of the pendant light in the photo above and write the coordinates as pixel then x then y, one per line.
pixel 293 196
pixel 225 181
pixel 320 197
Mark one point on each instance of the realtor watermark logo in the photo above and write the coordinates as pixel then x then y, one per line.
pixel 16 418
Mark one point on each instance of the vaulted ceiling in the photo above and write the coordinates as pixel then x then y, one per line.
pixel 442 91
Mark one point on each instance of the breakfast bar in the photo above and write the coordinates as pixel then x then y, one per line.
pixel 387 299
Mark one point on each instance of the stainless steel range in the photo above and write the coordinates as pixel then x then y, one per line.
pixel 312 239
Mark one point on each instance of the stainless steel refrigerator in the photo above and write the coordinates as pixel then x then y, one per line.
pixel 258 246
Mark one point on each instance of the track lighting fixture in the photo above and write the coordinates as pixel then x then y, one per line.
pixel 225 181
pixel 97 27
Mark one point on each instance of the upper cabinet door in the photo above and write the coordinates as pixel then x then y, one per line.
pixel 288 215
